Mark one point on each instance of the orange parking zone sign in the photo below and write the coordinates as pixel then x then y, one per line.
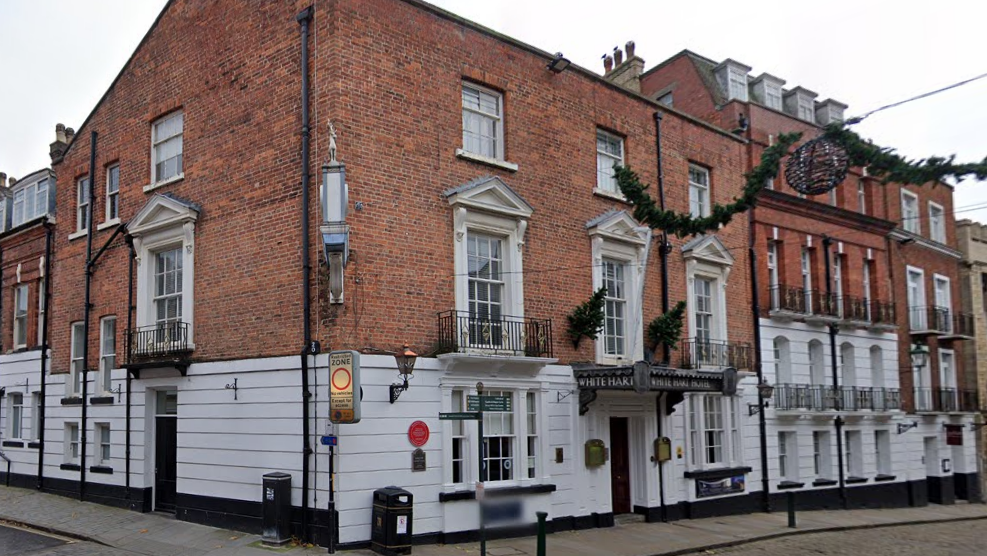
pixel 344 387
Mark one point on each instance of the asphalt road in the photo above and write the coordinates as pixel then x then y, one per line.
pixel 15 541
pixel 963 538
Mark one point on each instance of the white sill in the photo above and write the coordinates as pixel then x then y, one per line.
pixel 78 234
pixel 108 224
pixel 503 164
pixel 615 195
pixel 169 181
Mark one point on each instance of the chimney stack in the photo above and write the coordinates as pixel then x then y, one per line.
pixel 607 64
pixel 626 73
pixel 3 179
pixel 69 134
pixel 57 149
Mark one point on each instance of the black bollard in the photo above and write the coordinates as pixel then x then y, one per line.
pixel 541 532
pixel 791 508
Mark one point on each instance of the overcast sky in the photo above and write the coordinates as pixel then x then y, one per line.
pixel 59 56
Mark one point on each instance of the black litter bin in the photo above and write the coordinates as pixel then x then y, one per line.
pixel 392 517
pixel 276 509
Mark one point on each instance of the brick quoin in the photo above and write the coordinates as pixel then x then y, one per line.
pixel 389 74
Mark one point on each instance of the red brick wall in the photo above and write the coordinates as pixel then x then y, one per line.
pixel 689 93
pixel 27 249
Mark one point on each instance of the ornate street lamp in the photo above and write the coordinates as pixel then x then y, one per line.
pixel 764 393
pixel 406 367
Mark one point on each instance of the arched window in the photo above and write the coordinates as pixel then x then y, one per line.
pixel 877 367
pixel 848 362
pixel 817 363
pixel 783 360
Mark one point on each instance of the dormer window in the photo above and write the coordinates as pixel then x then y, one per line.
pixel 732 76
pixel 30 202
pixel 768 91
pixel 830 111
pixel 772 96
pixel 800 103
pixel 805 109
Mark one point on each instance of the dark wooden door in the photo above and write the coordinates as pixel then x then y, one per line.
pixel 165 462
pixel 620 468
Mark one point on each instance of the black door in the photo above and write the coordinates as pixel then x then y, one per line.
pixel 166 450
pixel 165 465
pixel 620 468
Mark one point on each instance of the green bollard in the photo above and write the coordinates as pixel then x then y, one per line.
pixel 541 532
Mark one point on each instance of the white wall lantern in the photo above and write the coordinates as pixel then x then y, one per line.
pixel 335 231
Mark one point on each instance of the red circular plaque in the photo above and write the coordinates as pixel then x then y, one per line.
pixel 418 433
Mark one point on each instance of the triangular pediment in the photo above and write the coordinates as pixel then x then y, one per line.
pixel 618 226
pixel 490 194
pixel 708 249
pixel 162 211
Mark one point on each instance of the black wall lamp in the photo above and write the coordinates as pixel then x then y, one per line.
pixel 406 367
pixel 558 64
pixel 764 393
pixel 905 427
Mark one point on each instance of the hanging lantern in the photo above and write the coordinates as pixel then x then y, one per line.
pixel 817 166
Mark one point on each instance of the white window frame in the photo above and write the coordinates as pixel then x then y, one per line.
pixel 882 452
pixel 782 352
pixel 911 220
pixel 20 325
pixel 20 197
pixel 76 366
pixel 848 365
pixel 806 109
pixel 497 119
pixel 805 261
pixel 102 440
pixel 697 439
pixel 788 456
pixel 620 239
pixel 156 141
pixel 861 196
pixel 737 84
pixel 107 357
pixel 866 285
pixel 833 198
pixel 937 223
pixel 41 306
pixel 822 459
pixel 615 308
pixel 947 368
pixel 773 96
pixel 916 303
pixel 71 443
pixel 15 415
pixel 82 186
pixel 699 192
pixel 942 290
pixel 112 213
pixel 522 435
pixel 606 182
pixel 36 415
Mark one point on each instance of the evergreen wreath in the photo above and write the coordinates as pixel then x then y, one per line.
pixel 666 329
pixel 587 318
pixel 880 162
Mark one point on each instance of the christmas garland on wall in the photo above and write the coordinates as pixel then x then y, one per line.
pixel 587 318
pixel 880 162
pixel 666 329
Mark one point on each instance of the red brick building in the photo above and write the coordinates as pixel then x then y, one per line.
pixel 893 279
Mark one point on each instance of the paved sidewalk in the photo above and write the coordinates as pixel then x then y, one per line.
pixel 157 535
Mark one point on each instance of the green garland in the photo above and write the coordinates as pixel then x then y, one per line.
pixel 880 162
pixel 666 329
pixel 587 318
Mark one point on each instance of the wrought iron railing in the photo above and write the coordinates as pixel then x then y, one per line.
pixel 855 308
pixel 789 299
pixel 945 400
pixel 814 397
pixel 882 312
pixel 933 319
pixel 825 304
pixel 962 325
pixel 698 353
pixel 157 341
pixel 461 331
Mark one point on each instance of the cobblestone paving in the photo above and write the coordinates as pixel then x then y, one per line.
pixel 942 539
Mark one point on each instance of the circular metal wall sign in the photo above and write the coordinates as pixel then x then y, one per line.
pixel 418 433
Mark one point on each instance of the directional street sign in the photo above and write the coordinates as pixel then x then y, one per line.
pixel 459 416
pixel 488 403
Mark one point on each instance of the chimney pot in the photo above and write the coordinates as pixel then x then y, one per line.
pixel 607 63
pixel 618 56
pixel 60 133
pixel 629 47
pixel 3 179
pixel 69 134
pixel 11 181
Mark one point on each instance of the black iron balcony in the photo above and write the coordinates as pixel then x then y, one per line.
pixel 789 300
pixel 462 332
pixel 961 329
pixel 945 400
pixel 825 306
pixel 855 309
pixel 814 397
pixel 700 353
pixel 162 341
pixel 882 314
pixel 932 320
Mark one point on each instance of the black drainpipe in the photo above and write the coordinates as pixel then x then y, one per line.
pixel 762 425
pixel 837 395
pixel 665 248
pixel 88 307
pixel 45 303
pixel 130 326
pixel 304 18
